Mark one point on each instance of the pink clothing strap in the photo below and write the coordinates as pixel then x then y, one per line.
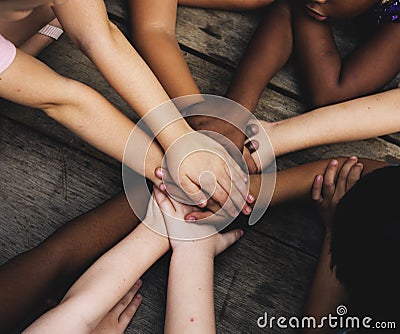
pixel 7 53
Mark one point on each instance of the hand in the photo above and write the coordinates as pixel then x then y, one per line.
pixel 200 166
pixel 258 144
pixel 212 243
pixel 226 118
pixel 328 189
pixel 212 214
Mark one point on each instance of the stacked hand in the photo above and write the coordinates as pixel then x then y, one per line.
pixel 329 188
pixel 171 213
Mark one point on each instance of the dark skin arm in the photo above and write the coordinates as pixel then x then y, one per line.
pixel 329 78
pixel 267 53
pixel 294 184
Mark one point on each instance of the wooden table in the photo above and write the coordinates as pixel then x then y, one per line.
pixel 49 176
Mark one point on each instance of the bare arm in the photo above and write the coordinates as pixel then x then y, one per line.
pixel 266 54
pixel 227 4
pixel 332 79
pixel 296 183
pixel 357 119
pixel 103 284
pixel 77 107
pixel 153 33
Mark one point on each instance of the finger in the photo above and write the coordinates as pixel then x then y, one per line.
pixel 354 175
pixel 226 200
pixel 198 215
pixel 328 187
pixel 342 178
pixel 127 315
pixel 250 163
pixel 194 192
pixel 227 239
pixel 252 130
pixel 316 192
pixel 125 300
pixel 158 172
pixel 237 182
pixel 163 201
pixel 252 145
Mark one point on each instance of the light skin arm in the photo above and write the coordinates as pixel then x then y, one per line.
pixel 190 298
pixel 88 301
pixel 332 79
pixel 357 119
pixel 77 107
pixel 88 26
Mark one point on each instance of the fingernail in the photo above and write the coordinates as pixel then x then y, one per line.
pixel 318 178
pixel 159 172
pixel 353 157
pixel 247 210
pixel 334 162
pixel 139 282
pixel 138 296
pixel 191 219
pixel 163 187
pixel 250 198
pixel 241 233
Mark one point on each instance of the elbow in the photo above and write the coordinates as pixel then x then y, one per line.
pixel 104 34
pixel 323 97
pixel 144 33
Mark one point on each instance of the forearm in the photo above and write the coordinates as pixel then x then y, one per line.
pixel 96 121
pixel 227 4
pixel 190 300
pixel 80 109
pixel 295 183
pixel 119 63
pixel 161 51
pixel 103 284
pixel 357 119
pixel 266 54
pixel 317 53
pixel 326 292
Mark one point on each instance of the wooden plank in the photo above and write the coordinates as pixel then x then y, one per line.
pixel 223 37
pixel 64 57
pixel 44 184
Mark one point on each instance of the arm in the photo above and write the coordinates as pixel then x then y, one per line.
pixel 362 118
pixel 88 25
pixel 326 292
pixel 227 4
pixel 153 33
pixel 295 183
pixel 190 298
pixel 266 54
pixel 77 107
pixel 103 284
pixel 329 77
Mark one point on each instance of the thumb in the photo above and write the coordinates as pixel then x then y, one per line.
pixel 227 239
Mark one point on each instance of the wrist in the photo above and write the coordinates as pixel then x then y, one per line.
pixel 193 250
pixel 173 131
